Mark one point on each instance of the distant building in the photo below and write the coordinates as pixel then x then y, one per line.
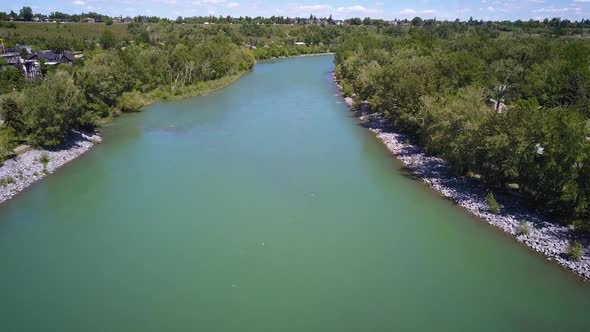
pixel 77 54
pixel 12 58
pixel 52 58
pixel 88 20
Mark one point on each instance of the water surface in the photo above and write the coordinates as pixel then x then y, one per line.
pixel 262 207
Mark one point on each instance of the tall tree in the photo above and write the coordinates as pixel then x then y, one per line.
pixel 26 13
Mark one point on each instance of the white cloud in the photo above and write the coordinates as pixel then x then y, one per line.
pixel 553 10
pixel 582 1
pixel 356 10
pixel 79 3
pixel 407 11
pixel 214 3
pixel 314 7
pixel 410 11
pixel 491 9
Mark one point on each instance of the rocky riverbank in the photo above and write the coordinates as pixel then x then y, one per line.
pixel 546 236
pixel 21 171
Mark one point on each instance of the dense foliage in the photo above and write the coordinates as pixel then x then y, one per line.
pixel 110 80
pixel 511 108
pixel 507 101
pixel 121 72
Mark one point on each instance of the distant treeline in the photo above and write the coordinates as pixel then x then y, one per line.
pixel 512 110
pixel 27 14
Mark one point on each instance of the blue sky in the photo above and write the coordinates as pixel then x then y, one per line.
pixel 479 9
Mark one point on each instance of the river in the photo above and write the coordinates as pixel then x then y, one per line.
pixel 262 207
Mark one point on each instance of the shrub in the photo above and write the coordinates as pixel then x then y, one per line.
pixel 581 227
pixel 524 228
pixel 7 142
pixel 131 102
pixel 44 159
pixel 52 108
pixel 6 181
pixel 493 205
pixel 575 251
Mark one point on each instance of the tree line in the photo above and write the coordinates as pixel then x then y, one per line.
pixel 108 81
pixel 155 61
pixel 511 110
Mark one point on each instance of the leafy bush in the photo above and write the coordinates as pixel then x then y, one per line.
pixel 10 79
pixel 575 251
pixel 493 205
pixel 44 159
pixel 131 102
pixel 525 228
pixel 6 181
pixel 581 227
pixel 52 109
pixel 7 142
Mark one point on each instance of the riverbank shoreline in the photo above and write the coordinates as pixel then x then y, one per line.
pixel 20 172
pixel 296 56
pixel 199 89
pixel 546 236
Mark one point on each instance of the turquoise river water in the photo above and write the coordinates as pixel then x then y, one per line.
pixel 262 207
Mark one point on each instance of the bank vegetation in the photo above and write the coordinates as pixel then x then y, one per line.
pixel 510 110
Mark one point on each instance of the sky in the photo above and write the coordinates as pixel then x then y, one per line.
pixel 339 9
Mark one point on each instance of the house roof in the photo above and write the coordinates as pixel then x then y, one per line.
pixel 52 56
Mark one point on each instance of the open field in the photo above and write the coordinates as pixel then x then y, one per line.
pixel 32 32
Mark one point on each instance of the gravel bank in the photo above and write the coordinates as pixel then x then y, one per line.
pixel 21 171
pixel 546 236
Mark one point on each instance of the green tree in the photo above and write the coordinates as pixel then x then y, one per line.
pixel 108 40
pixel 7 142
pixel 10 80
pixel 26 13
pixel 103 78
pixel 53 109
pixel 12 112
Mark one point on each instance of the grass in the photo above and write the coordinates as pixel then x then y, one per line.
pixel 200 88
pixel 493 204
pixel 44 159
pixel 6 181
pixel 525 228
pixel 575 251
pixel 81 31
